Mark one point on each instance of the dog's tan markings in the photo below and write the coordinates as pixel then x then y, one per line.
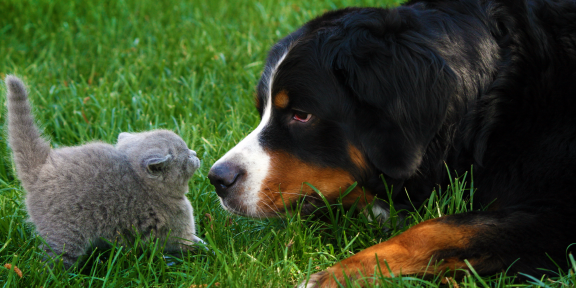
pixel 257 102
pixel 357 157
pixel 281 99
pixel 412 252
pixel 288 174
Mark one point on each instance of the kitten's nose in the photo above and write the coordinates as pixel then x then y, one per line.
pixel 193 153
pixel 224 176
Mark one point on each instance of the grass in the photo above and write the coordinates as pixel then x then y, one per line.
pixel 96 68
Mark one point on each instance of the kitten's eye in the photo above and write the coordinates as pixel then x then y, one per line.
pixel 301 116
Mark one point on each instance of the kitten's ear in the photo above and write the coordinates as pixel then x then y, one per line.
pixel 155 165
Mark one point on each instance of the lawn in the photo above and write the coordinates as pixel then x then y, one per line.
pixel 96 68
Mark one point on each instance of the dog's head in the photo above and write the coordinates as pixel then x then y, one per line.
pixel 351 95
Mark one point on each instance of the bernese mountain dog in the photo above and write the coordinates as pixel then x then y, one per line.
pixel 402 93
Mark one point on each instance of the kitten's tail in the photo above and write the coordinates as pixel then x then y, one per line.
pixel 29 148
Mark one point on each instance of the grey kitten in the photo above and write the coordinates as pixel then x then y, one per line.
pixel 77 196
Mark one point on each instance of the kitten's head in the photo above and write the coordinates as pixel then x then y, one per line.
pixel 160 157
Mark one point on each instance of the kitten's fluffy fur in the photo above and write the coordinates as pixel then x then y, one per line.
pixel 77 196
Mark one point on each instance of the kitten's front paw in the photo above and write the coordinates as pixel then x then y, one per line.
pixel 200 243
pixel 197 240
pixel 194 244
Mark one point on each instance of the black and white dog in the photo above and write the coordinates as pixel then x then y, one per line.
pixel 363 92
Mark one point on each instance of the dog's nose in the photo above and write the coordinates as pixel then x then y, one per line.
pixel 224 176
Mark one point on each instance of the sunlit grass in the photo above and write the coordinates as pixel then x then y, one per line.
pixel 96 68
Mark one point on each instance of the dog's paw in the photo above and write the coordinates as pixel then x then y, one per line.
pixel 316 280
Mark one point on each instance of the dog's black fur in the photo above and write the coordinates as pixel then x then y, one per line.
pixel 483 84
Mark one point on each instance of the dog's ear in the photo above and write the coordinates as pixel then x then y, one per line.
pixel 402 85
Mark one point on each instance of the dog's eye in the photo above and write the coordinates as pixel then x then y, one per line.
pixel 301 116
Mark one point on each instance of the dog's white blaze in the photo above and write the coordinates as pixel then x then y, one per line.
pixel 252 157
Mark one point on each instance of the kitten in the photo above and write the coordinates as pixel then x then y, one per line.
pixel 77 196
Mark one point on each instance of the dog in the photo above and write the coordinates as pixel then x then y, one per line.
pixel 402 93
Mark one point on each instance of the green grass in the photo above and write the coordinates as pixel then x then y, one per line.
pixel 96 68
